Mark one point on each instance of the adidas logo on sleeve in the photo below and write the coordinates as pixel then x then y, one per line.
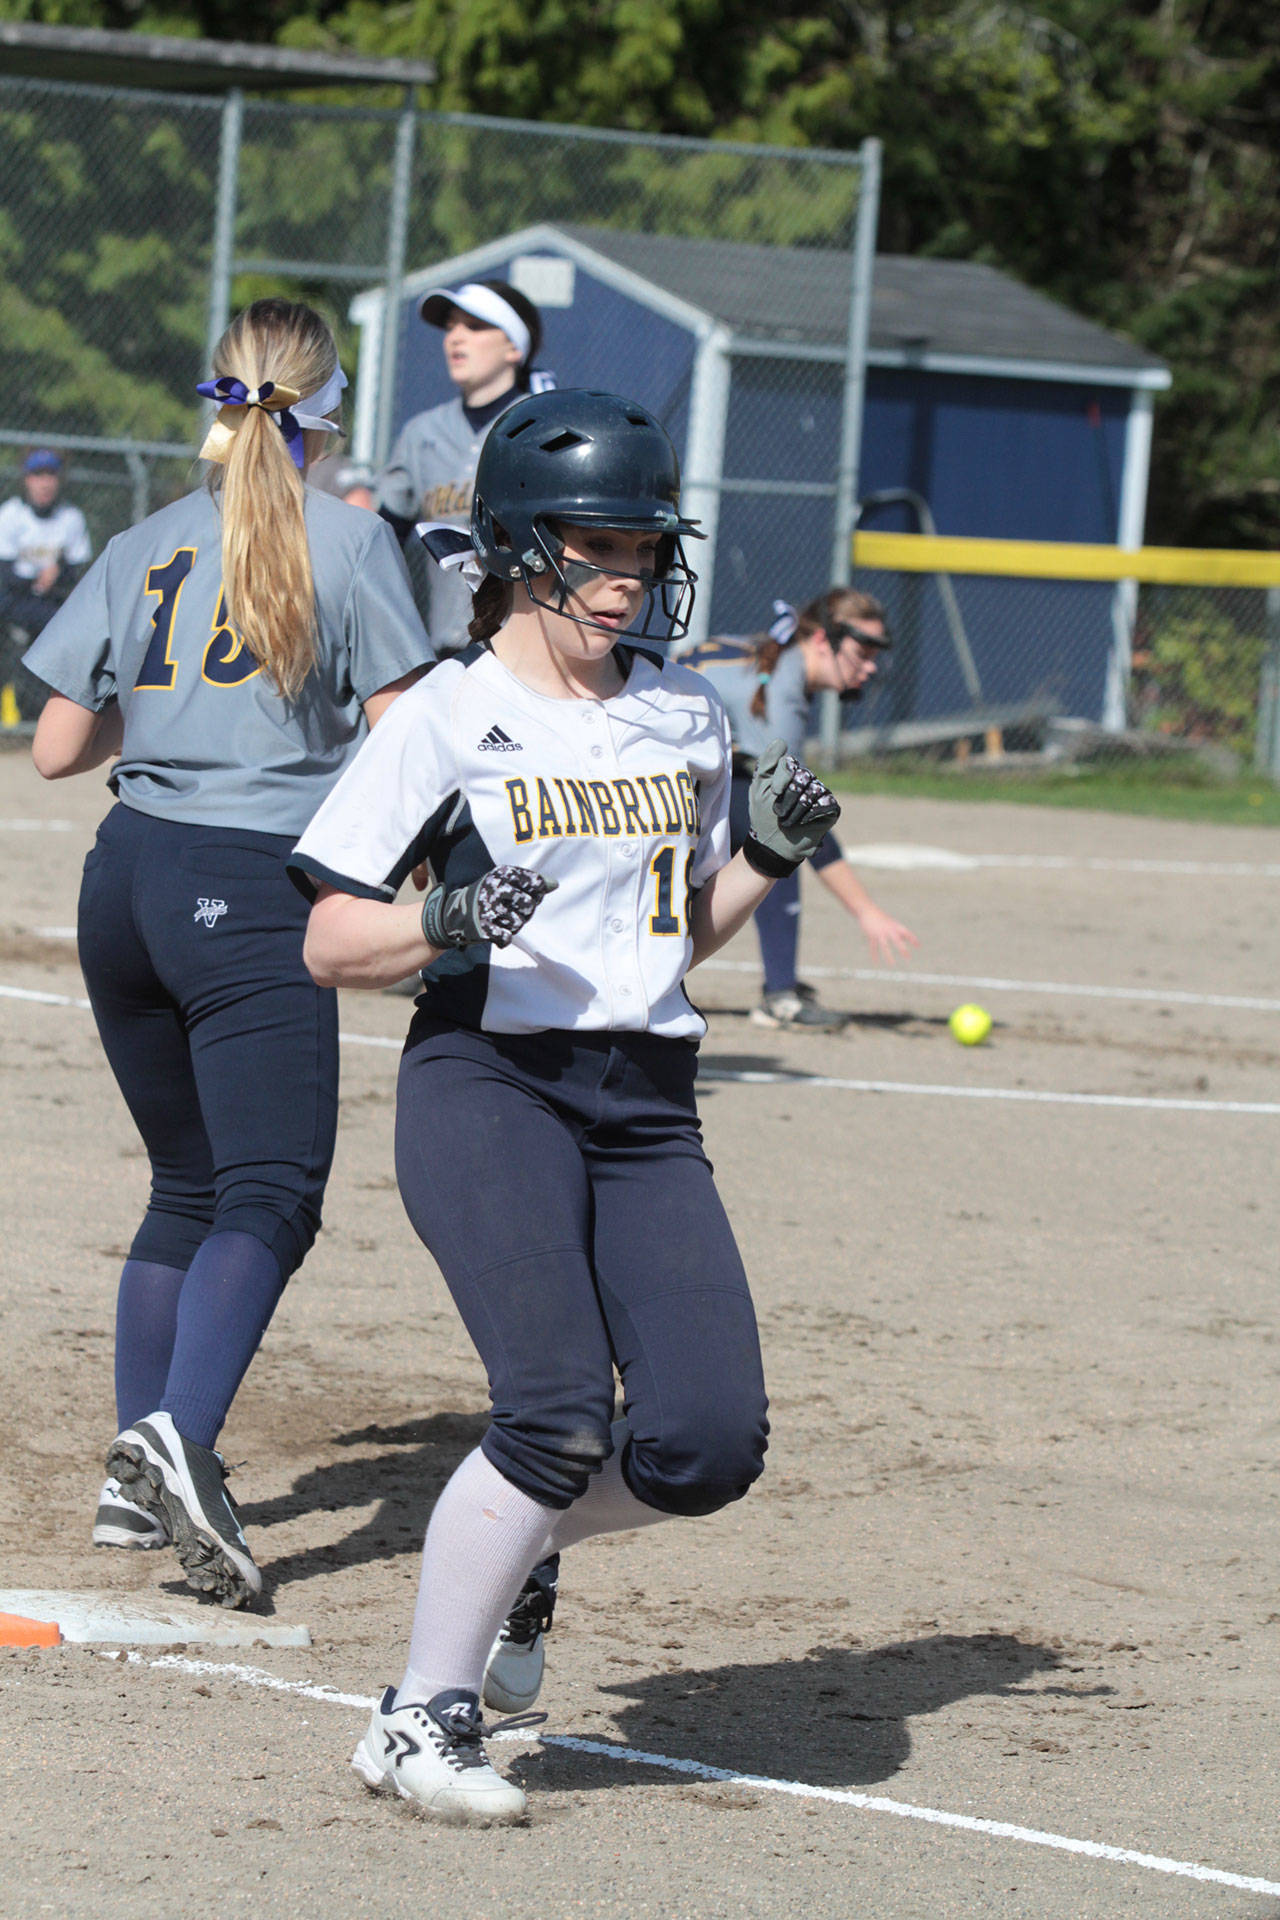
pixel 496 741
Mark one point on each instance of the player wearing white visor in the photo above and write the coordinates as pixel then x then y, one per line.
pixel 491 335
pixel 569 791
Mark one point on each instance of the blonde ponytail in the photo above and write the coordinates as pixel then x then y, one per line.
pixel 267 581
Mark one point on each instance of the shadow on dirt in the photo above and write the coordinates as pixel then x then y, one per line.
pixel 826 1057
pixel 839 1717
pixel 404 1479
pixel 913 1025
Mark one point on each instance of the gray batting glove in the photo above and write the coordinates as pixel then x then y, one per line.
pixel 491 910
pixel 791 813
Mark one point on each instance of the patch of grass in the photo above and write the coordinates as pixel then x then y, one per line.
pixel 1184 792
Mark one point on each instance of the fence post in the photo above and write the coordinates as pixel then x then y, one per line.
pixel 224 222
pixel 140 481
pixel 708 416
pixel 1266 748
pixel 393 282
pixel 1130 532
pixel 855 381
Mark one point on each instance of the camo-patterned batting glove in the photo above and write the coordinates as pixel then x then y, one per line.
pixel 492 909
pixel 791 813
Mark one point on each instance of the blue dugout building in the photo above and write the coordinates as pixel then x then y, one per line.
pixel 1010 416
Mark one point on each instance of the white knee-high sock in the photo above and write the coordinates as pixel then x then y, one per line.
pixel 483 1538
pixel 607 1506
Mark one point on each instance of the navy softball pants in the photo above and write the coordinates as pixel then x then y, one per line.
pixel 560 1183
pixel 223 1046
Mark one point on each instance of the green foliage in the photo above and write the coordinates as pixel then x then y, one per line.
pixel 1170 791
pixel 102 302
pixel 1121 155
pixel 1197 678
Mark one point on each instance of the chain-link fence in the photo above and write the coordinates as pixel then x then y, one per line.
pixel 134 222
pixel 727 286
pixel 1006 666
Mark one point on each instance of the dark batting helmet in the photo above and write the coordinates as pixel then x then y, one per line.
pixel 575 458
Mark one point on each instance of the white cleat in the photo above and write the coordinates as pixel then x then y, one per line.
pixel 518 1659
pixel 121 1522
pixel 432 1753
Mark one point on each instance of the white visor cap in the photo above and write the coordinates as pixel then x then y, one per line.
pixel 482 303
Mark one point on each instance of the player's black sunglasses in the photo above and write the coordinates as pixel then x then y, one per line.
pixel 841 630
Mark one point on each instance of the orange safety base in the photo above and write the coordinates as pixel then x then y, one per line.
pixel 17 1632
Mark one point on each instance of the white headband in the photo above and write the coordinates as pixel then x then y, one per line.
pixel 311 409
pixel 482 303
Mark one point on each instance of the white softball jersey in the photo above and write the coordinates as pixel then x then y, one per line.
pixel 32 539
pixel 623 802
pixel 207 739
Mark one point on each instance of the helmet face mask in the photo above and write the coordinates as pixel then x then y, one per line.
pixel 565 459
pixel 668 585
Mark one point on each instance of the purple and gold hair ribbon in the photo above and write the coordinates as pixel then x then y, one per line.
pixel 232 397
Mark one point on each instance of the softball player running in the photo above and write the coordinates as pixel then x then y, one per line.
pixel 767 682
pixel 232 649
pixel 491 334
pixel 570 790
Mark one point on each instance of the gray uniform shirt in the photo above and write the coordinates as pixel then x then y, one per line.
pixel 207 739
pixel 729 664
pixel 431 476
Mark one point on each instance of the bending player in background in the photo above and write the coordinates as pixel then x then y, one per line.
pixel 491 335
pixel 767 682
pixel 233 649
pixel 571 793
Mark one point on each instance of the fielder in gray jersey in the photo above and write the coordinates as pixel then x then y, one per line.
pixel 767 682
pixel 431 477
pixel 730 666
pixel 491 333
pixel 207 739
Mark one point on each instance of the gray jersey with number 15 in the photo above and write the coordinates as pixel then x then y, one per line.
pixel 207 739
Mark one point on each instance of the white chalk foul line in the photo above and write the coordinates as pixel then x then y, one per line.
pixel 1149 1104
pixel 888 976
pixel 70 1000
pixel 795 1789
pixel 43 999
pixel 37 826
pixel 912 857
pixel 1209 869
pixel 987 983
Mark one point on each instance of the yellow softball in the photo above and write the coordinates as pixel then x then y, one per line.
pixel 970 1025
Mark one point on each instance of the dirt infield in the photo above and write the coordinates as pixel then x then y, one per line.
pixel 1016 1553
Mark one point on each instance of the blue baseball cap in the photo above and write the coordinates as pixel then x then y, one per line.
pixel 43 460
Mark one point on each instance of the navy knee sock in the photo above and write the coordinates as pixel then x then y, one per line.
pixel 230 1294
pixel 146 1320
pixel 778 925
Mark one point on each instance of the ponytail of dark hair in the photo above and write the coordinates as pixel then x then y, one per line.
pixel 766 654
pixel 490 605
